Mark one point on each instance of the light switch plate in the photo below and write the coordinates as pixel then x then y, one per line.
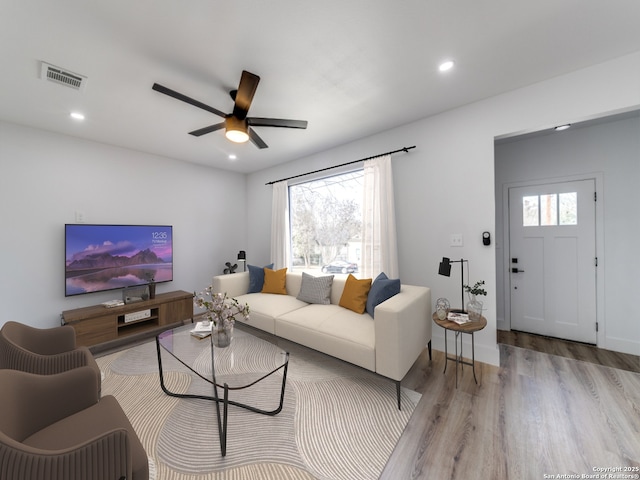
pixel 455 240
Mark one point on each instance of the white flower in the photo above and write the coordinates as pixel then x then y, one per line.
pixel 220 309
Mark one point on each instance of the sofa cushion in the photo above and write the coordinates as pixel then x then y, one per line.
pixel 333 330
pixel 382 288
pixel 315 289
pixel 256 277
pixel 275 281
pixel 354 295
pixel 265 307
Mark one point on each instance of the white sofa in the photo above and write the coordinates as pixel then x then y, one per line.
pixel 387 344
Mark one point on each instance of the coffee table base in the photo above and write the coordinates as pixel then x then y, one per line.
pixel 223 417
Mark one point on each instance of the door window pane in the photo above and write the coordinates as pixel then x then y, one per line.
pixel 530 211
pixel 568 208
pixel 549 209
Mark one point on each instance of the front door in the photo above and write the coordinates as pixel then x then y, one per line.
pixel 552 261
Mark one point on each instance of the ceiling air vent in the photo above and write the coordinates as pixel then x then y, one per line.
pixel 62 76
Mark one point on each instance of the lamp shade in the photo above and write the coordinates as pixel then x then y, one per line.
pixel 242 255
pixel 236 130
pixel 445 267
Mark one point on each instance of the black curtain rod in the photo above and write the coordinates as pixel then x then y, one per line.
pixel 404 149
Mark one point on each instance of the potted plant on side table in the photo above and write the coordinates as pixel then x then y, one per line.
pixel 474 306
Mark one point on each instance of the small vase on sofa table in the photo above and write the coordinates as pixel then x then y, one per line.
pixel 474 309
pixel 221 336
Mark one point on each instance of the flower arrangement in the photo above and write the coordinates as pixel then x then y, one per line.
pixel 474 307
pixel 220 309
pixel 476 289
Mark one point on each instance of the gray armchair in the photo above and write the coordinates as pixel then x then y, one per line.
pixel 43 351
pixel 56 427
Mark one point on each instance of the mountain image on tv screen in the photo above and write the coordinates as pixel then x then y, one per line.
pixel 108 257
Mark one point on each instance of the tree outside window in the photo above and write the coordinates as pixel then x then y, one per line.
pixel 326 221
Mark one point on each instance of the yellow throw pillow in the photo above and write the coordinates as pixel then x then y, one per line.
pixel 275 281
pixel 354 295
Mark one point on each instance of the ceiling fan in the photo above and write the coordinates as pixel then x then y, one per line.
pixel 236 124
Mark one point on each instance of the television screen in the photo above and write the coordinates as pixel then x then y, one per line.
pixel 107 257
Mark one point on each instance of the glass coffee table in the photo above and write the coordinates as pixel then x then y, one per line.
pixel 246 362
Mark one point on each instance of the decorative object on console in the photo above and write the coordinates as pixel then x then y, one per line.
pixel 221 311
pixel 442 308
pixel 445 270
pixel 474 307
pixel 135 294
pixel 152 288
pixel 230 268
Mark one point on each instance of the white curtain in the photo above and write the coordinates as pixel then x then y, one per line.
pixel 280 225
pixel 379 244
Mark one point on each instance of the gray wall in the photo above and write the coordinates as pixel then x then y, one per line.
pixel 46 178
pixel 446 185
pixel 612 151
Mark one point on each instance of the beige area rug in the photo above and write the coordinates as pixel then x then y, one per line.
pixel 338 421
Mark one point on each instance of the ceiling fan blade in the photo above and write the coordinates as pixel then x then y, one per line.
pixel 205 130
pixel 276 122
pixel 179 96
pixel 256 140
pixel 244 94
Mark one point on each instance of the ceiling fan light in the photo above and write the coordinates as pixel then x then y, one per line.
pixel 237 136
pixel 236 130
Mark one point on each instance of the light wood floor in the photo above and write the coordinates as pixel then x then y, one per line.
pixel 575 350
pixel 537 414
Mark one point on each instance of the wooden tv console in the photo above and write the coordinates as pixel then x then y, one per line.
pixel 98 324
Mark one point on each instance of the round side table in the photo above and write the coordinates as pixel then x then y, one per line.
pixel 470 328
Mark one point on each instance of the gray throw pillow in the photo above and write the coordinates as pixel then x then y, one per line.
pixel 315 289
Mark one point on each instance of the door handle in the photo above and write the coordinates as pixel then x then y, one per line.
pixel 515 270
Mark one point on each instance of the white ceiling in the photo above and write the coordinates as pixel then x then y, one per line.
pixel 351 68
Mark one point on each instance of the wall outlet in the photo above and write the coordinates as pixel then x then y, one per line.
pixel 79 216
pixel 455 240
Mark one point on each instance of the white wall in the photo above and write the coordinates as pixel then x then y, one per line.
pixel 446 185
pixel 45 178
pixel 612 150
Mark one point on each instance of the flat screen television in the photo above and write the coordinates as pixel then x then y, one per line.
pixel 109 257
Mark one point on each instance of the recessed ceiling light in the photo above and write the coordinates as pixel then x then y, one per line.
pixel 77 116
pixel 562 127
pixel 232 157
pixel 444 66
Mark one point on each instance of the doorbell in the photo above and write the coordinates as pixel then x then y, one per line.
pixel 486 238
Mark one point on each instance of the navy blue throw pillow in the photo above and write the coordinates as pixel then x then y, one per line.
pixel 382 288
pixel 256 277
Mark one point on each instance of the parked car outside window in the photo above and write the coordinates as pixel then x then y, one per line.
pixel 340 266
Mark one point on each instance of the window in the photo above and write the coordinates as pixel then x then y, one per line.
pixel 551 209
pixel 326 223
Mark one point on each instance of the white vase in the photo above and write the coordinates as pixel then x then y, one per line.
pixel 474 309
pixel 222 336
